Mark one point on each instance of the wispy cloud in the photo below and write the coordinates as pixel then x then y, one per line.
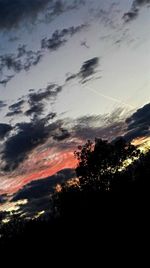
pixel 87 71
pixel 36 100
pixel 24 59
pixel 60 37
pixel 135 8
pixel 2 104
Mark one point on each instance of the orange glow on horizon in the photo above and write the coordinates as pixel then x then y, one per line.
pixel 61 161
pixel 45 163
pixel 143 143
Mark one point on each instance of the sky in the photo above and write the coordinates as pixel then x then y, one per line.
pixel 70 70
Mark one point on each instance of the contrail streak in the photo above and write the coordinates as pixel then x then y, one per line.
pixel 109 97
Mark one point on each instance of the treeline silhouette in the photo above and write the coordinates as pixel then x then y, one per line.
pixel 111 189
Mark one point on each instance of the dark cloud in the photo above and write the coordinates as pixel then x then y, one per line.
pixel 87 70
pixel 130 15
pixel 10 62
pixel 141 2
pixel 36 110
pixel 32 59
pixel 2 104
pixel 107 127
pixel 23 60
pixel 14 113
pixel 4 130
pixel 103 126
pixel 60 37
pixel 71 77
pixel 12 12
pixel 139 123
pixel 15 108
pixel 50 116
pixel 62 134
pixel 17 105
pixel 58 7
pixel 51 91
pixel 66 134
pixel 53 43
pixel 15 12
pixel 6 80
pixel 38 192
pixel 41 188
pixel 134 11
pixel 36 99
pixel 28 136
pixel 36 102
pixel 3 199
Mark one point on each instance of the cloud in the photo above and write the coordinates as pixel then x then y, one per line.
pixel 87 70
pixel 62 135
pixel 36 102
pixel 28 136
pixel 134 11
pixel 23 60
pixel 41 188
pixel 41 148
pixel 13 113
pixel 58 7
pixel 3 199
pixel 102 126
pixel 15 108
pixel 60 37
pixel 11 63
pixel 13 12
pixel 6 80
pixel 131 15
pixel 139 123
pixel 17 105
pixel 38 192
pixel 51 91
pixel 36 110
pixel 2 104
pixel 141 2
pixel 36 99
pixel 71 77
pixel 4 130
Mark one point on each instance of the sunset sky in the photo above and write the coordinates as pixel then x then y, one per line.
pixel 70 70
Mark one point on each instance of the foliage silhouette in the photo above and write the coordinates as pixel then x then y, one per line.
pixel 99 163
pixel 106 195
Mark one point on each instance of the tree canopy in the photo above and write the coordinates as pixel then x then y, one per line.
pixel 99 162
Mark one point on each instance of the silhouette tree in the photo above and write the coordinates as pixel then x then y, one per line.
pixel 99 162
pixel 90 202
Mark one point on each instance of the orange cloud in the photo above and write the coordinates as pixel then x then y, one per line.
pixel 39 165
